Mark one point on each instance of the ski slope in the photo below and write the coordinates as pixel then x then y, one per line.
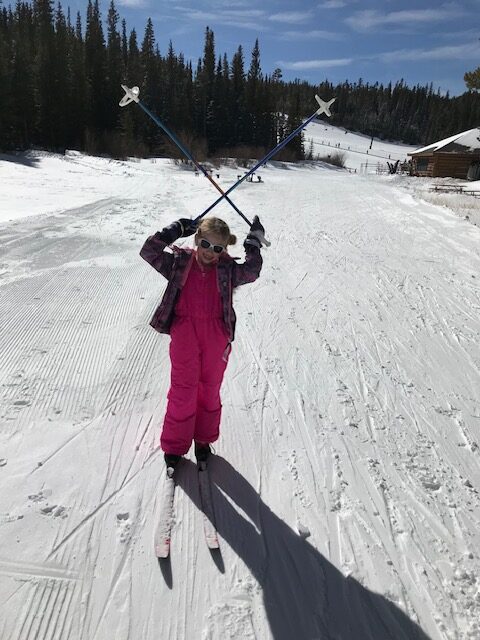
pixel 347 474
pixel 362 153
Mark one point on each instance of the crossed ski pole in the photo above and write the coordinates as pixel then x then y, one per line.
pixel 131 95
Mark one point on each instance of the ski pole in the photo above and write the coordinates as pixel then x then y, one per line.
pixel 324 108
pixel 131 95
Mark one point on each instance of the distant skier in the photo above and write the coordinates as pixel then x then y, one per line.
pixel 196 310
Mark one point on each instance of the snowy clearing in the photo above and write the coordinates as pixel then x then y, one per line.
pixel 346 485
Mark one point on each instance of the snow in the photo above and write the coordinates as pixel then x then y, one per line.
pixel 473 186
pixel 469 139
pixel 346 481
pixel 362 153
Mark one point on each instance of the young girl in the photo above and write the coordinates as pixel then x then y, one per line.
pixel 196 310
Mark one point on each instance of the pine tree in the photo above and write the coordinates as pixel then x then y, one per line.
pixel 45 95
pixel 96 72
pixel 114 66
pixel 21 75
pixel 171 84
pixel 184 111
pixel 223 103
pixel 472 79
pixel 207 90
pixel 152 88
pixel 131 121
pixel 134 72
pixel 216 137
pixel 61 72
pixel 147 55
pixel 124 46
pixel 294 149
pixel 252 93
pixel 238 105
pixel 78 87
pixel 9 136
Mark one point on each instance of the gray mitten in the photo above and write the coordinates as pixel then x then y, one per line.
pixel 256 235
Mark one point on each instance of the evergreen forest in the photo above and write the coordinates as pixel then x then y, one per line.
pixel 60 77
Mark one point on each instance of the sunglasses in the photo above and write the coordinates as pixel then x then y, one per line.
pixel 205 244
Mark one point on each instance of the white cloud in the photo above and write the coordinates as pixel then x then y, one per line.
pixel 240 18
pixel 459 52
pixel 244 13
pixel 371 19
pixel 246 18
pixel 464 35
pixel 332 4
pixel 315 34
pixel 291 17
pixel 135 4
pixel 304 65
pixel 222 4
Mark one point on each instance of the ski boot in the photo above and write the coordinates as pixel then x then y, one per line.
pixel 171 460
pixel 202 454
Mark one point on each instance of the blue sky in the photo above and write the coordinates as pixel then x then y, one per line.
pixel 337 40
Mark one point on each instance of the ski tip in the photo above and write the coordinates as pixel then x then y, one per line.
pixel 131 95
pixel 212 541
pixel 324 106
pixel 162 549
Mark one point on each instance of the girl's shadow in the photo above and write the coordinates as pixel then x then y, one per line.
pixel 305 596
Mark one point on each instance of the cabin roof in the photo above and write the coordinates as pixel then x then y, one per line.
pixel 465 142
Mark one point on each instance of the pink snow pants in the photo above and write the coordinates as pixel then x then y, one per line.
pixel 199 351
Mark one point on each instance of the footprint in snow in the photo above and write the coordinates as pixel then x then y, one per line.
pixel 5 518
pixel 123 516
pixel 21 403
pixel 125 526
pixel 55 510
pixel 48 510
pixel 37 497
pixel 432 484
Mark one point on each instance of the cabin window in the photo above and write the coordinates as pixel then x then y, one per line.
pixel 422 164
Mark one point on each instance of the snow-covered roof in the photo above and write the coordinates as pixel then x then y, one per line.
pixel 466 142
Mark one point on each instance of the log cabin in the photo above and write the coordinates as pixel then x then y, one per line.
pixel 454 157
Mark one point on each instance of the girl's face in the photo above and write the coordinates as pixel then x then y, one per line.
pixel 208 248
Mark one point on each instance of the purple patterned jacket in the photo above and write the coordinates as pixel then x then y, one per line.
pixel 175 268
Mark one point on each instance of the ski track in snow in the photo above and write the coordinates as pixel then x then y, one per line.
pixel 346 483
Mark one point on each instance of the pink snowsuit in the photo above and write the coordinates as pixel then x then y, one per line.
pixel 199 351
pixel 196 310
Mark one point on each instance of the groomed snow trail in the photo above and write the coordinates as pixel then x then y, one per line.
pixel 346 483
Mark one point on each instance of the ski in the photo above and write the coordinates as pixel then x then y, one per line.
pixel 166 515
pixel 165 519
pixel 209 528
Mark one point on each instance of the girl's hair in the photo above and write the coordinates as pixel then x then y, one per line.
pixel 218 227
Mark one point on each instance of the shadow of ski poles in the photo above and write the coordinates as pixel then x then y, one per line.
pixel 304 595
